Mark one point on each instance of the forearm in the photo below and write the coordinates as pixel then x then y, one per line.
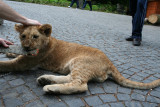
pixel 8 13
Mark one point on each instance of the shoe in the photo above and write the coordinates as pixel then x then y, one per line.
pixel 69 6
pixel 129 38
pixel 136 41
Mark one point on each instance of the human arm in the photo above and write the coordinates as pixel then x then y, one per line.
pixel 7 13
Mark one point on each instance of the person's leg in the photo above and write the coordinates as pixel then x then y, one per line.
pixel 132 9
pixel 77 2
pixel 72 3
pixel 84 5
pixel 138 18
pixel 90 5
pixel 138 22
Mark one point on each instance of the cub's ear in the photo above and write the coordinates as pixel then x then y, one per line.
pixel 46 29
pixel 19 27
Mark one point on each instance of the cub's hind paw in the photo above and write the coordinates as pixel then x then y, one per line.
pixel 51 89
pixel 43 81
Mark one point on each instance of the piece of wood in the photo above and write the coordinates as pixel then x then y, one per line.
pixel 154 18
pixel 16 49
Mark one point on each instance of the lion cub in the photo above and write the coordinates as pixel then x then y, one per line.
pixel 79 63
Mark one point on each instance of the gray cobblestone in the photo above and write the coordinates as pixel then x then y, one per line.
pixel 124 90
pixel 146 104
pixel 94 89
pixel 108 98
pixel 12 102
pixel 138 97
pixel 123 97
pixel 133 104
pixel 35 104
pixel 153 99
pixel 143 92
pixel 110 87
pixel 155 93
pixel 117 104
pixel 93 101
pixel 103 105
pixel 75 103
pixel 16 82
pixel 59 104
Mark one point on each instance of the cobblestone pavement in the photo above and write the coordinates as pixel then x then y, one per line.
pixel 96 29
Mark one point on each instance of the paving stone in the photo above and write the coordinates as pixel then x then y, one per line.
pixel 103 105
pixel 138 97
pixel 108 98
pixel 22 89
pixel 2 81
pixel 16 82
pixel 10 95
pixel 136 77
pixel 123 97
pixel 10 77
pixel 33 84
pixel 153 99
pixel 134 70
pixel 59 104
pixel 38 91
pixel 128 72
pixel 117 104
pixel 146 104
pixel 142 74
pixel 155 93
pixel 157 89
pixel 133 104
pixel 143 92
pixel 12 102
pixel 4 59
pixel 94 89
pixel 48 99
pixel 152 78
pixel 4 86
pixel 124 90
pixel 126 75
pixel 93 101
pixel 28 96
pixel 35 104
pixel 110 87
pixel 75 102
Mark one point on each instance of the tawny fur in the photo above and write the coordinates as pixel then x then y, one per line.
pixel 79 63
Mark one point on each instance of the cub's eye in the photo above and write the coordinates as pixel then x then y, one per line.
pixel 23 36
pixel 35 36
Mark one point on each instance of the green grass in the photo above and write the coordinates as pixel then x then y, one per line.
pixel 65 3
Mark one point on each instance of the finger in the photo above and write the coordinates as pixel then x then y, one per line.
pixel 4 44
pixel 8 42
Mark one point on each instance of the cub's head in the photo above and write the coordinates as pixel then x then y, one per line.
pixel 34 37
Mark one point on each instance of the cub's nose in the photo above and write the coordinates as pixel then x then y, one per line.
pixel 26 48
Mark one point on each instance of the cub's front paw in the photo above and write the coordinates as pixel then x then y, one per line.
pixel 43 80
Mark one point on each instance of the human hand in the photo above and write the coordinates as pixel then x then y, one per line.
pixel 31 22
pixel 5 43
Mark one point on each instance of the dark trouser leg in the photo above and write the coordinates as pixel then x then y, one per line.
pixel 72 3
pixel 90 5
pixel 77 2
pixel 138 18
pixel 84 5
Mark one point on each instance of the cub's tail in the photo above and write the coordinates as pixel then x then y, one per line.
pixel 132 84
